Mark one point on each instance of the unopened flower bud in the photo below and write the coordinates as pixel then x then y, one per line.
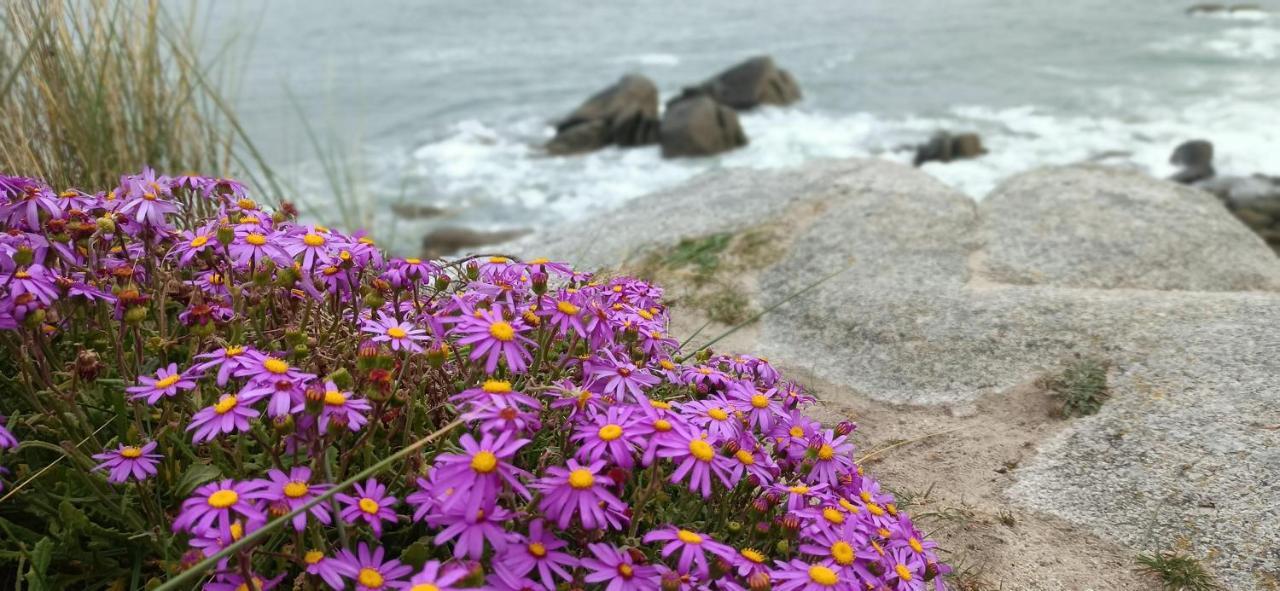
pixel 671 581
pixel 735 526
pixel 315 398
pixel 618 476
pixel 730 447
pixel 473 271
pixel 278 508
pixel 24 255
pixel 791 522
pixel 637 556
pixel 226 234
pixel 930 571
pixel 342 378
pixel 135 315
pixel 475 576
pixel 88 365
pixel 283 424
pixel 338 424
pixel 437 355
pixel 759 581
pixel 442 282
pixel 374 300
pixel 761 504
pixel 763 527
pixel 368 350
pixel 105 224
pixel 539 279
pixel 844 428
pixel 783 546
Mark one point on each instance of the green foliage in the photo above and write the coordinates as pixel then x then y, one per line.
pixel 1177 572
pixel 703 254
pixel 1081 387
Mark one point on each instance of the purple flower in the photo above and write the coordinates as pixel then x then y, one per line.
pixel 481 469
pixel 539 550
pixel 7 440
pixel 698 460
pixel 254 245
pixel 194 242
pixel 564 313
pixel 331 570
pixel 798 575
pixel 261 368
pixel 493 337
pixel 236 582
pixel 287 492
pixel 693 548
pixel 579 490
pixel 615 377
pixel 433 577
pixel 611 435
pixel 230 414
pixel 500 415
pixel 833 457
pixel 473 529
pixel 494 390
pixel 213 507
pixel 615 566
pixel 340 404
pixel 166 383
pixel 370 504
pixel 370 572
pixel 715 415
pixel 35 281
pixel 125 462
pixel 761 408
pixel 312 244
pixel 401 335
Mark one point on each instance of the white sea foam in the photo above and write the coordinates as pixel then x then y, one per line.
pixel 650 59
pixel 1233 15
pixel 1255 43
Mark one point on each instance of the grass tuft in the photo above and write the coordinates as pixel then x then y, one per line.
pixel 1081 387
pixel 1177 572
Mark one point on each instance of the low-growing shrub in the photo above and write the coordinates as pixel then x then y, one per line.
pixel 201 391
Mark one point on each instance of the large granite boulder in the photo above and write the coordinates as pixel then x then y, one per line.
pixel 624 114
pixel 754 82
pixel 934 301
pixel 699 126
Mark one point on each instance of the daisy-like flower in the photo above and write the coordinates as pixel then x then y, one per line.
pixel 693 548
pixel 538 551
pixel 481 469
pixel 611 435
pixel 493 337
pixel 494 390
pixel 500 415
pixel 617 568
pixel 124 462
pixel 579 490
pixel 907 570
pixel 716 415
pixel 286 492
pixel 799 496
pixel 230 414
pixel 236 582
pixel 262 368
pixel 844 547
pixel 754 460
pixel 311 243
pixel 401 335
pixel 760 407
pixel 798 575
pixel 214 506
pixel 698 460
pixel 370 571
pixel 370 504
pixel 434 577
pixel 331 570
pixel 255 244
pixel 619 377
pixel 473 529
pixel 833 457
pixel 194 242
pixel 166 383
pixel 341 404
pixel 564 313
pixel 35 281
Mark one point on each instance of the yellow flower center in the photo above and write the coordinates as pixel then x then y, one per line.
pixel 833 516
pixel 22 275
pixel 662 425
pixel 799 489
pixel 223 499
pixel 688 537
pixel 295 489
pixel 826 452
pixel 313 239
pixel 850 507
pixel 760 401
pixel 275 366
pixel 904 573
pixel 718 414
pixel 823 575
pixel 701 450
pixel 610 432
pixel 257 585
pixel 502 331
pixel 247 204
pixel 915 545
pixel 237 531
pixel 199 241
pixel 624 569
pixel 370 578
pixel 537 549
pixel 664 405
pixel 540 261
pixel 875 509
pixel 667 364
pixel 369 505
pixel 396 332
pixel 497 260
pixel 496 387
pixel 796 432
pixel 581 479
pixel 842 553
pixel 424 587
pixel 313 556
pixel 167 381
pixel 745 457
pixel 752 555
pixel 484 462
pixel 225 404
pixel 149 196
pixel 413 261
pixel 130 452
pixel 334 398
pixel 567 308
pixel 256 239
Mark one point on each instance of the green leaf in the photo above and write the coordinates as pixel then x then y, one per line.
pixel 40 557
pixel 415 555
pixel 196 475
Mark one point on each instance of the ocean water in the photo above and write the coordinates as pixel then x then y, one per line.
pixel 446 103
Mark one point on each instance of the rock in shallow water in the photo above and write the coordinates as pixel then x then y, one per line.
pixel 754 82
pixel 699 126
pixel 624 114
pixel 947 299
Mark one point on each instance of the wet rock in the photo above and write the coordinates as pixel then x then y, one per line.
pixel 1195 157
pixel 624 114
pixel 452 240
pixel 1206 8
pixel 945 147
pixel 1255 200
pixel 411 211
pixel 699 126
pixel 757 81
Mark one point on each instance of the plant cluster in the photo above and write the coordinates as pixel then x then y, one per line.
pixel 195 386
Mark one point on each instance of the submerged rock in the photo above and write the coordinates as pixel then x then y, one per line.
pixel 699 126
pixel 624 114
pixel 451 240
pixel 938 301
pixel 944 147
pixel 1195 157
pixel 754 82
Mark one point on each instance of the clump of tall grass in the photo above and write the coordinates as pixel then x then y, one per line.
pixel 90 89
